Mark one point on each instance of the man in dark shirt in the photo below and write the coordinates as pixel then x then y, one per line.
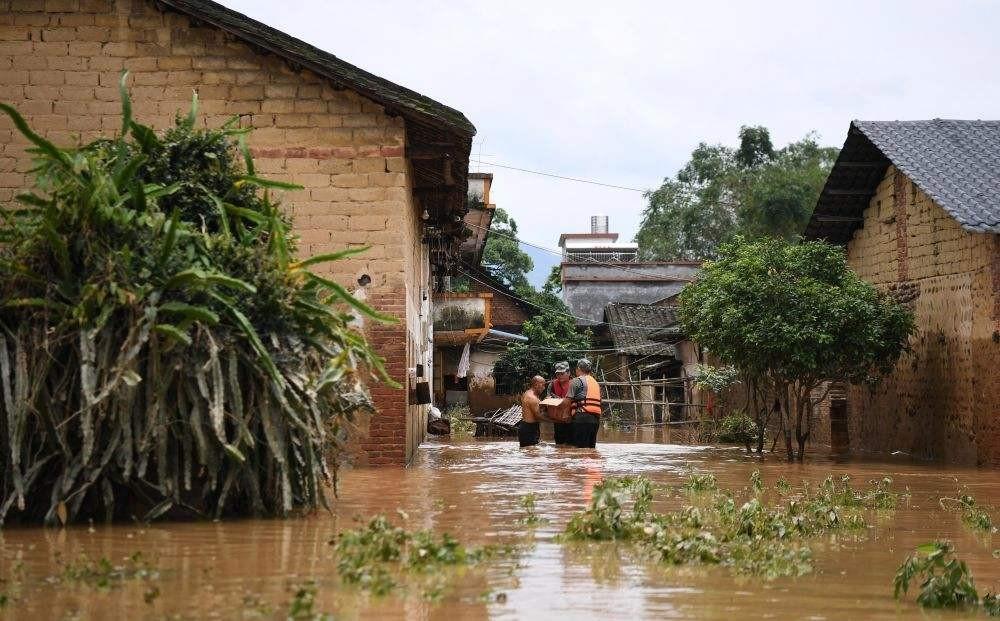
pixel 586 395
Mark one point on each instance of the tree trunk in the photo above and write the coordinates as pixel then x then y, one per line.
pixel 786 420
pixel 803 409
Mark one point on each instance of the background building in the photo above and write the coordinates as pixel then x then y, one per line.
pixel 597 270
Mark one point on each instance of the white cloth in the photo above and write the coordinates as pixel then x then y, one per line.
pixel 463 363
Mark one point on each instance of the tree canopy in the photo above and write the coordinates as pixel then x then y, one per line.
pixel 552 337
pixel 502 254
pixel 753 190
pixel 791 317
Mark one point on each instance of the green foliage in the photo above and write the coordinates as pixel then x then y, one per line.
pixel 945 581
pixel 553 283
pixel 531 517
pixel 716 379
pixel 618 507
pixel 741 531
pixel 161 351
pixel 303 604
pixel 369 556
pixel 698 483
pixel 792 316
pixel 974 516
pixel 552 337
pixel 991 604
pixel 103 574
pixel 738 428
pixel 502 254
pixel 722 192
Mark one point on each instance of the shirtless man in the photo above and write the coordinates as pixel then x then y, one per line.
pixel 528 431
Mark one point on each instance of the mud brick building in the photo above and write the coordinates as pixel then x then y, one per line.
pixel 917 205
pixel 381 165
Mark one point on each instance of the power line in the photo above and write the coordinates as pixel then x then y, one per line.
pixel 555 176
pixel 616 266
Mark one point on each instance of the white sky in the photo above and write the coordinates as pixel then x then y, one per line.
pixel 621 92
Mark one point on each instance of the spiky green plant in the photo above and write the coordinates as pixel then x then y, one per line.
pixel 161 350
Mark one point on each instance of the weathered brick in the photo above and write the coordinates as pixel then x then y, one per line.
pixel 349 199
pixel 368 223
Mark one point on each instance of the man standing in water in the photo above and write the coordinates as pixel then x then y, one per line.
pixel 559 389
pixel 586 395
pixel 528 432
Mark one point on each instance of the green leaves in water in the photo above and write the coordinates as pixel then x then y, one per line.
pixel 373 555
pixel 531 517
pixel 303 604
pixel 945 581
pixel 739 530
pixel 160 352
pixel 103 574
pixel 974 516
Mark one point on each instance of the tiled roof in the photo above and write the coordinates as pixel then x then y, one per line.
pixel 631 325
pixel 408 103
pixel 956 163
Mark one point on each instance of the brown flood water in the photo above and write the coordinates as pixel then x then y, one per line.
pixel 246 569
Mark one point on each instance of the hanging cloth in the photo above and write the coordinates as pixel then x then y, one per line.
pixel 463 363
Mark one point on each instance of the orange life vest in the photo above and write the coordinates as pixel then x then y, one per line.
pixel 591 404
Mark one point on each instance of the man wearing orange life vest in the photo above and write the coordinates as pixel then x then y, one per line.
pixel 586 395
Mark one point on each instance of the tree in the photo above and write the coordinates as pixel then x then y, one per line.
pixel 792 317
pixel 721 192
pixel 503 256
pixel 553 284
pixel 552 337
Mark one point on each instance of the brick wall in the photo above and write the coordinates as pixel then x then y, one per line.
pixel 505 311
pixel 60 62
pixel 943 399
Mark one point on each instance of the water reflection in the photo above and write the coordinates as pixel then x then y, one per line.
pixel 248 569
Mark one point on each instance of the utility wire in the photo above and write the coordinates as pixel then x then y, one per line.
pixel 616 266
pixel 554 176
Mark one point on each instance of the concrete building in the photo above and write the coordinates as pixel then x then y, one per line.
pixel 917 205
pixel 381 165
pixel 598 270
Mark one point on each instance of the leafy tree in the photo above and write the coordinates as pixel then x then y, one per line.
pixel 722 192
pixel 792 317
pixel 552 337
pixel 553 284
pixel 503 256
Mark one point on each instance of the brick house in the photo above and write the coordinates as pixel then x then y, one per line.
pixel 917 205
pixel 489 317
pixel 381 165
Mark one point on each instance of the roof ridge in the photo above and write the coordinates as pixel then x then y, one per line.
pixel 405 101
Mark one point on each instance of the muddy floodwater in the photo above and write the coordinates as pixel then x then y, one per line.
pixel 250 569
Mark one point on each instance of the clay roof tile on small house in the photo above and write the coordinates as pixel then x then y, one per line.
pixel 631 326
pixel 956 163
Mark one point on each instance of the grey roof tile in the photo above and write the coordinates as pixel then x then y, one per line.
pixel 631 325
pixel 956 163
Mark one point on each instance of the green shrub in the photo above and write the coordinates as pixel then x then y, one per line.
pixel 740 531
pixel 161 350
pixel 945 582
pixel 738 428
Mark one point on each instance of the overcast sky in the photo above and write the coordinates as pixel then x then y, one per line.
pixel 621 92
